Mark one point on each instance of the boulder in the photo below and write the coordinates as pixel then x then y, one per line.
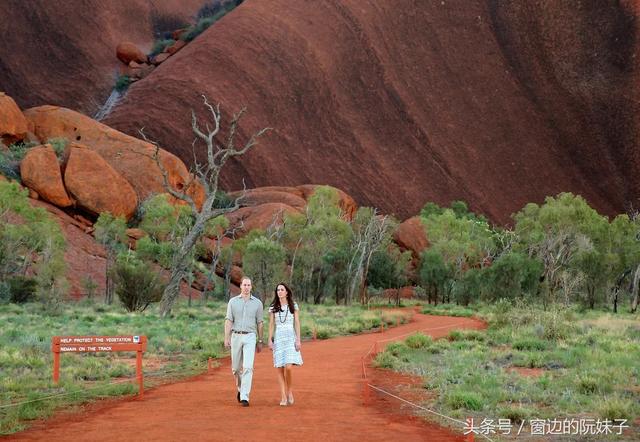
pixel 129 156
pixel 411 235
pixel 259 195
pixel 246 219
pixel 128 52
pixel 133 235
pixel 176 47
pixel 96 186
pixel 178 33
pixel 13 124
pixel 40 171
pixel 235 276
pixel 160 58
pixel 346 203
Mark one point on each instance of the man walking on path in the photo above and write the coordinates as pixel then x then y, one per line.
pixel 242 325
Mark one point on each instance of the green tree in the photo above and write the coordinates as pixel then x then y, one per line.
pixel 434 274
pixel 264 262
pixel 389 268
pixel 568 237
pixel 208 174
pixel 136 283
pixel 511 276
pixel 111 232
pixel 319 233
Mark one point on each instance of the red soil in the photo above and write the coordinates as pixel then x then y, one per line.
pixel 527 372
pixel 333 402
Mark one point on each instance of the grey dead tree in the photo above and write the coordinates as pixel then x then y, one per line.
pixel 367 239
pixel 208 174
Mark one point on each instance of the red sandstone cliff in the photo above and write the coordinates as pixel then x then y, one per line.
pixel 401 102
pixel 63 52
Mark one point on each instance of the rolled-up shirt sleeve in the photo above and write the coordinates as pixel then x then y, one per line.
pixel 229 312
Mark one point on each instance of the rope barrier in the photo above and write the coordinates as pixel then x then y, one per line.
pixel 423 408
pixel 374 350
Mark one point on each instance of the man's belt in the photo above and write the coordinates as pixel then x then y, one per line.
pixel 240 332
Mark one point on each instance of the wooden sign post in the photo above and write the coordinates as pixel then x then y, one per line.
pixel 90 344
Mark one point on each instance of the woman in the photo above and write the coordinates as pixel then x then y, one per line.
pixel 284 320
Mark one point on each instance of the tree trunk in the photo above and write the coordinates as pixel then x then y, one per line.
pixel 635 292
pixel 180 261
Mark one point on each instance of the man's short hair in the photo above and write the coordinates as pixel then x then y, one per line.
pixel 245 278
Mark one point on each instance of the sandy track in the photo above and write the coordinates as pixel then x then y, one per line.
pixel 331 403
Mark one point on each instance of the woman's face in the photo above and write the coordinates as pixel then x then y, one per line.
pixel 282 294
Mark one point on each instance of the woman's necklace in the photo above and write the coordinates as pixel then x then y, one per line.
pixel 285 315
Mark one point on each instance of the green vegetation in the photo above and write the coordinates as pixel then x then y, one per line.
pixel 10 159
pixel 587 362
pixel 562 251
pixel 161 45
pixel 122 83
pixel 179 347
pixel 208 14
pixel 31 251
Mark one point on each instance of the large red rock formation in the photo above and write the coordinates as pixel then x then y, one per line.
pixel 296 197
pixel 64 52
pixel 262 217
pixel 96 186
pixel 411 235
pixel 403 102
pixel 40 171
pixel 129 156
pixel 13 125
pixel 85 258
pixel 262 195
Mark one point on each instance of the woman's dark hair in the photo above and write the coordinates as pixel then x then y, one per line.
pixel 275 305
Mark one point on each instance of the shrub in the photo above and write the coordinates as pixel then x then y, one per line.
pixel 5 292
pixel 464 399
pixel 10 159
pixel 515 414
pixel 22 289
pixel 322 333
pixel 209 9
pixel 89 286
pixel 122 83
pixel 136 284
pixel 418 340
pixel 530 344
pixel 385 360
pixel 616 408
pixel 161 45
pixel 58 145
pixel 396 348
pixel 588 384
pixel 529 360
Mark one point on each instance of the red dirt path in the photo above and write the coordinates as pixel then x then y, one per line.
pixel 331 402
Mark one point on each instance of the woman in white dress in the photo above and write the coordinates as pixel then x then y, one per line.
pixel 284 339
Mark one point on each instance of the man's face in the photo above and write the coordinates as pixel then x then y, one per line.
pixel 245 286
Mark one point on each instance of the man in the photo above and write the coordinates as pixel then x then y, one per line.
pixel 242 323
